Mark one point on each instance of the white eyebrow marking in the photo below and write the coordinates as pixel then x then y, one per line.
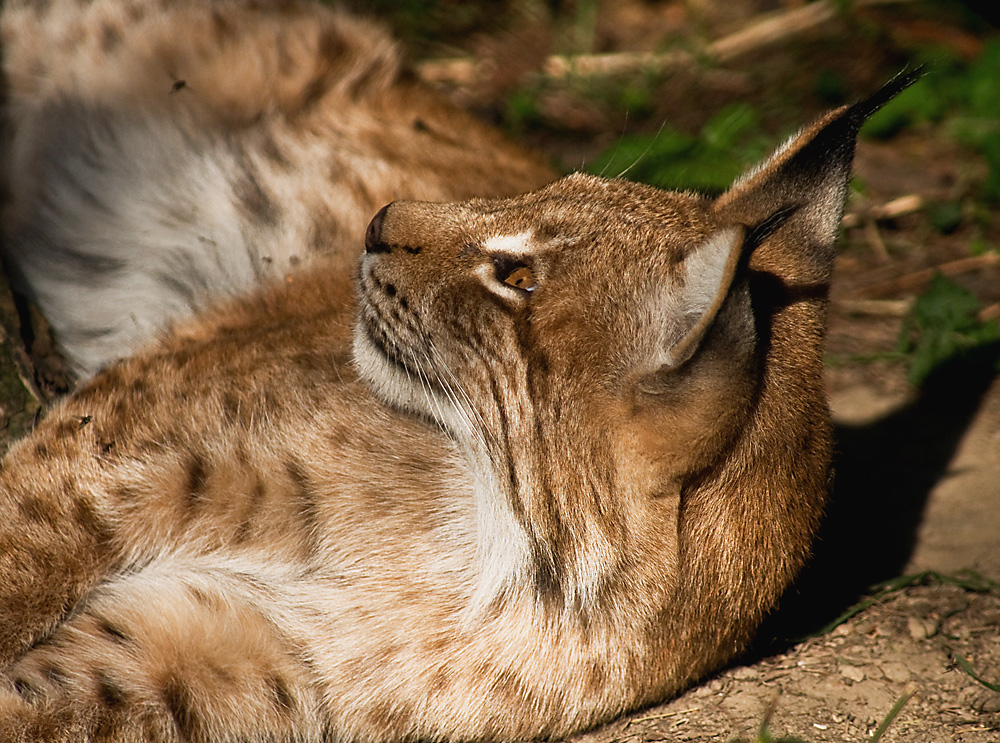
pixel 519 244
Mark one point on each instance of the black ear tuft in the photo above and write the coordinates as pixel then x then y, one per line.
pixel 862 110
pixel 792 202
pixel 837 138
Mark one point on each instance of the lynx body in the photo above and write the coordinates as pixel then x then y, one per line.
pixel 554 459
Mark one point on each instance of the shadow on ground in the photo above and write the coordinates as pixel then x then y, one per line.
pixel 885 472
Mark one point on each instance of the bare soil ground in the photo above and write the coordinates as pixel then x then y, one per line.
pixel 918 471
pixel 839 686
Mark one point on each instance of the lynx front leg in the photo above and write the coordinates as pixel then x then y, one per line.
pixel 179 651
pixel 54 544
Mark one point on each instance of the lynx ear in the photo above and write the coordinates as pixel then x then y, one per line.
pixel 806 180
pixel 706 274
pixel 784 213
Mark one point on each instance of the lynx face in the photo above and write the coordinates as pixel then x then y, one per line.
pixel 552 315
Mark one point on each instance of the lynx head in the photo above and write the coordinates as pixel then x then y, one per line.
pixel 598 344
pixel 581 305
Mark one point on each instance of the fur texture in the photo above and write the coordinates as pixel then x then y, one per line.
pixel 556 461
pixel 166 153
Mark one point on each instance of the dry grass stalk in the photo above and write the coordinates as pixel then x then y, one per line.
pixel 918 279
pixel 766 30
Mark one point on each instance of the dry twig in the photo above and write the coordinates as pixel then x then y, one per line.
pixel 875 307
pixel 919 279
pixel 898 207
pixel 766 30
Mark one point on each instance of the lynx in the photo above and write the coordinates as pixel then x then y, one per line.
pixel 536 460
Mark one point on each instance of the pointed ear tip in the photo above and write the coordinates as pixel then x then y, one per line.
pixel 831 139
pixel 864 109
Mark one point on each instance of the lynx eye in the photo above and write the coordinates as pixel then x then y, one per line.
pixel 513 272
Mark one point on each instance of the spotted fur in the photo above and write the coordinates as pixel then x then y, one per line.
pixel 166 153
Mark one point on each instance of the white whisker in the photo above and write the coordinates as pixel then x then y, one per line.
pixel 645 151
pixel 621 138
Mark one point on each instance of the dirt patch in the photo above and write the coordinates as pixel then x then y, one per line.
pixel 840 686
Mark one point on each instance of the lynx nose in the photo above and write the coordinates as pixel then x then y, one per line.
pixel 373 235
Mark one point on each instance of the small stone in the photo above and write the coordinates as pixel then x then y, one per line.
pixel 865 627
pixel 988 704
pixel 896 672
pixel 853 673
pixel 922 627
pixel 881 630
pixel 745 673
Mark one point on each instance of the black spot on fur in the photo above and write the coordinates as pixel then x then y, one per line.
pixel 33 509
pixel 55 675
pixel 87 518
pixel 232 410
pixel 113 632
pixel 254 505
pixel 221 27
pixel 312 364
pixel 110 692
pixel 305 500
pixel 331 47
pixel 68 427
pixel 387 718
pixel 72 261
pixel 253 200
pixel 283 698
pixel 125 492
pixel 546 574
pixel 134 13
pixel 197 480
pixel 111 37
pixel 200 597
pixel 270 149
pixel 180 704
pixel 25 689
pixel 241 455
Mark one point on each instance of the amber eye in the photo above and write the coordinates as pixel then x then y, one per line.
pixel 513 272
